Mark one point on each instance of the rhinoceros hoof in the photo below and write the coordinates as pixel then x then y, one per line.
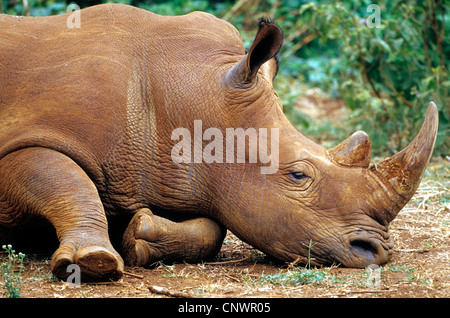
pixel 141 231
pixel 96 263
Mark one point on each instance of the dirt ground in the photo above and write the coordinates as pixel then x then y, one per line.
pixel 420 266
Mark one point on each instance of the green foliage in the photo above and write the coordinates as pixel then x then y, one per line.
pixel 33 7
pixel 386 74
pixel 176 7
pixel 301 276
pixel 11 272
pixel 298 276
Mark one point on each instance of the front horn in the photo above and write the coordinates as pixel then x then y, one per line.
pixel 402 173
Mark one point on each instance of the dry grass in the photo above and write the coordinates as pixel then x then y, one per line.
pixel 420 266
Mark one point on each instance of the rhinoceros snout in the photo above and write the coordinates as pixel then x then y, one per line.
pixel 367 251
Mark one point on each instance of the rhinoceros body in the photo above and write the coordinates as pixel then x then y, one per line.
pixel 87 117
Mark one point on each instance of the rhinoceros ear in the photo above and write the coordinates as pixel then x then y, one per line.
pixel 265 46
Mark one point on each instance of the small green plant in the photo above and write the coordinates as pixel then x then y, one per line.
pixel 297 276
pixel 301 276
pixel 309 246
pixel 410 273
pixel 8 272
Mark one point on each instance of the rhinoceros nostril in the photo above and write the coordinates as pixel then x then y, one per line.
pixel 365 249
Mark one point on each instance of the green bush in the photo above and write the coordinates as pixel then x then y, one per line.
pixel 387 75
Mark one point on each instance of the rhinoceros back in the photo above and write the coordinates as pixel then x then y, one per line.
pixel 67 88
pixel 103 93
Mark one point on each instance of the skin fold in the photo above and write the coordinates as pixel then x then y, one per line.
pixel 86 119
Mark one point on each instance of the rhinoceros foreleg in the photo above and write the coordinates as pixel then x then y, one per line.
pixel 150 238
pixel 45 183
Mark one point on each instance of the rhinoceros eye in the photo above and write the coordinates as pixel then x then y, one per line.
pixel 298 175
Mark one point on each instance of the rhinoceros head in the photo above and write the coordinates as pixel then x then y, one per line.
pixel 325 205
